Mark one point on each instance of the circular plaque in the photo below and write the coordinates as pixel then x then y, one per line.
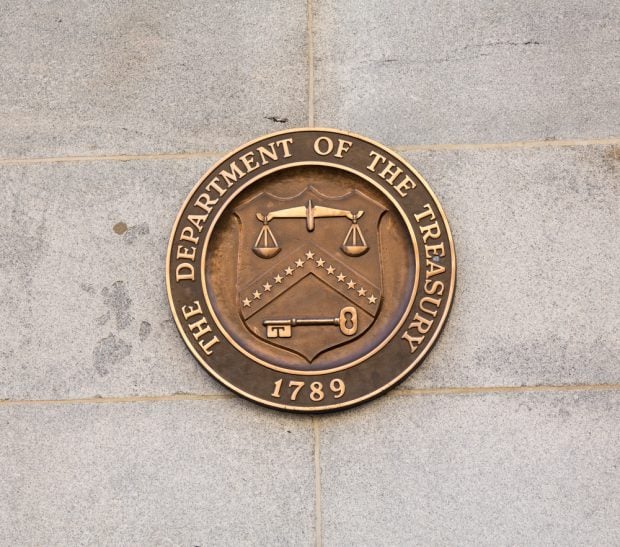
pixel 310 270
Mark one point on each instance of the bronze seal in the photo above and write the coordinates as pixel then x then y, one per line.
pixel 310 270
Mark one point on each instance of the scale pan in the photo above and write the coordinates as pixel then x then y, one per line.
pixel 354 250
pixel 266 252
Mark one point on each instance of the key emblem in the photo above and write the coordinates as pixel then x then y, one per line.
pixel 282 328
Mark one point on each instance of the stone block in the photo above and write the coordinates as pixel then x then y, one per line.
pixel 488 469
pixel 453 72
pixel 117 77
pixel 536 234
pixel 169 473
pixel 84 308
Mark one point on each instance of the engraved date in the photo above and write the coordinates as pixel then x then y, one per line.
pixel 314 390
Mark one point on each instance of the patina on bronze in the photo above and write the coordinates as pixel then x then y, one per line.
pixel 310 270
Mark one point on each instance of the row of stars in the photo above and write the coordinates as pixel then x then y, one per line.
pixel 320 263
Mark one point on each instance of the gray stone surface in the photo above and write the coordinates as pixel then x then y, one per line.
pixel 148 76
pixel 451 71
pixel 504 469
pixel 183 473
pixel 84 312
pixel 84 309
pixel 536 234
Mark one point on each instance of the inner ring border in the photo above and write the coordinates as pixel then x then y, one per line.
pixel 262 362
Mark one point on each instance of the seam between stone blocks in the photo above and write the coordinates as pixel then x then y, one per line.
pixel 310 38
pixel 507 145
pixel 398 148
pixel 397 392
pixel 505 389
pixel 111 157
pixel 114 400
pixel 316 433
pixel 318 515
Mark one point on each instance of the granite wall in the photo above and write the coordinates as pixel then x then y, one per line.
pixel 111 433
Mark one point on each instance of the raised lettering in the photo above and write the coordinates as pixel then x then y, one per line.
pixel 405 184
pixel 184 272
pixel 184 252
pixel 205 202
pixel 377 158
pixel 391 172
pixel 284 143
pixel 434 301
pixel 248 161
pixel 436 287
pixel 214 185
pixel 197 221
pixel 323 151
pixel 421 324
pixel 190 311
pixel 206 346
pixel 414 341
pixel 234 175
pixel 428 212
pixel 264 153
pixel 433 269
pixel 187 234
pixel 343 146
pixel 430 230
pixel 201 327
pixel 434 250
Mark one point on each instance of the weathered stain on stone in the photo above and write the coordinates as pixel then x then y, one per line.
pixel 87 287
pixel 134 232
pixel 103 319
pixel 503 43
pixel 119 228
pixel 145 330
pixel 109 351
pixel 610 155
pixel 276 119
pixel 117 299
pixel 27 226
pixel 612 158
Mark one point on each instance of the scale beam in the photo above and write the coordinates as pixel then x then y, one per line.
pixel 309 212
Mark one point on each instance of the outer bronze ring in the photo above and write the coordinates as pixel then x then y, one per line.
pixel 391 360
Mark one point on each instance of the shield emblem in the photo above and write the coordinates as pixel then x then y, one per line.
pixel 309 269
